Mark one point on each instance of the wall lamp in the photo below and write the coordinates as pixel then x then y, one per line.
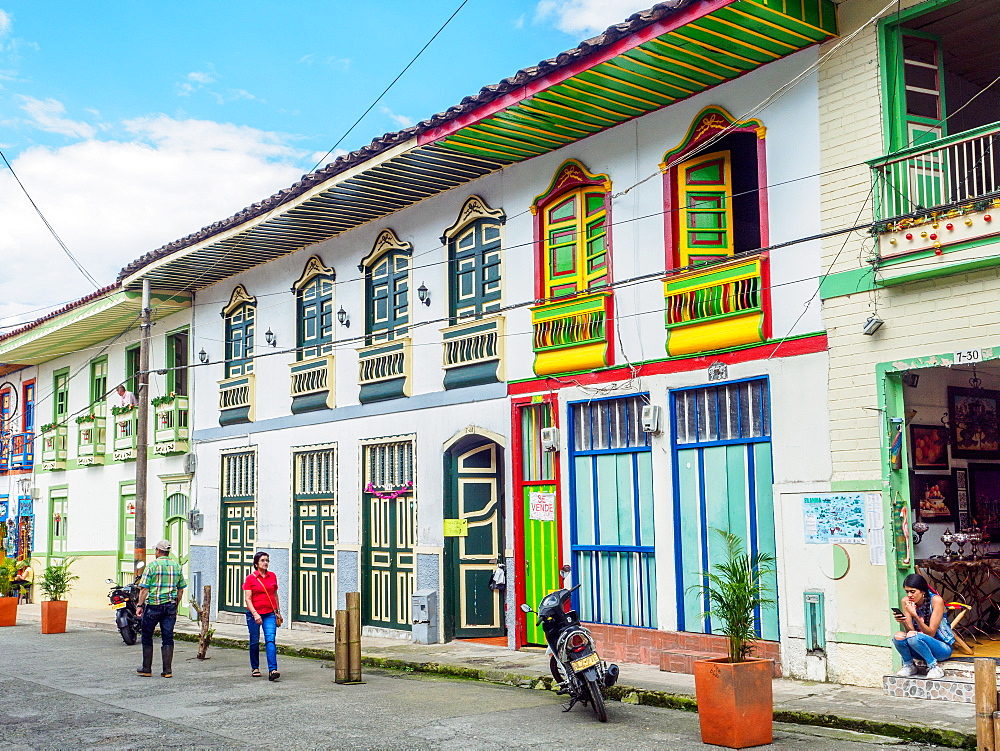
pixel 342 317
pixel 270 338
pixel 203 356
pixel 424 294
pixel 872 325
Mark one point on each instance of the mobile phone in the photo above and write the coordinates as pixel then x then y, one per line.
pixel 897 611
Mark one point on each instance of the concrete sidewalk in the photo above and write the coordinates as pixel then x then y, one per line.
pixel 831 705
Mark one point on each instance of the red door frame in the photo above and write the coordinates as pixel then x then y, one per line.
pixel 517 476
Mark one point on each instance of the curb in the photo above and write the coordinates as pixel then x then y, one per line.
pixel 624 694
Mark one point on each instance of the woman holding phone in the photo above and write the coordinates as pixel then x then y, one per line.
pixel 928 634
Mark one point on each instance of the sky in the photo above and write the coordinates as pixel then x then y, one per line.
pixel 132 124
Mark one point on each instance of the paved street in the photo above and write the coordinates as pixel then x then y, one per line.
pixel 79 690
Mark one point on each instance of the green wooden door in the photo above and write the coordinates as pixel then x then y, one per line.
pixel 538 511
pixel 239 538
pixel 389 530
pixel 314 538
pixel 474 483
pixel 723 480
pixel 126 534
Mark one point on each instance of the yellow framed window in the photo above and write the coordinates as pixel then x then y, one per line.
pixel 576 243
pixel 705 190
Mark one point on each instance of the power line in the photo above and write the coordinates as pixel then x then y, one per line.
pixel 51 229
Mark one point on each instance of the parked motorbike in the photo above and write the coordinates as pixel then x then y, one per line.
pixel 574 662
pixel 124 599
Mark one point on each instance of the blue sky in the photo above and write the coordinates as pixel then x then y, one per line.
pixel 133 124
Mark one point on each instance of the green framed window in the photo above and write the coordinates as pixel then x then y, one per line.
pixel 132 369
pixel 314 310
pixel 387 288
pixel 58 522
pixel 177 363
pixel 60 395
pixel 98 385
pixel 240 316
pixel 474 262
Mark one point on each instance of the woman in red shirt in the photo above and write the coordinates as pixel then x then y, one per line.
pixel 260 594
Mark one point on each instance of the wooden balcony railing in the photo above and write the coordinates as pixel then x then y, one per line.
pixel 171 431
pixel 54 449
pixel 384 370
pixel 236 399
pixel 126 432
pixel 473 352
pixel 572 335
pixel 22 451
pixel 91 441
pixel 953 170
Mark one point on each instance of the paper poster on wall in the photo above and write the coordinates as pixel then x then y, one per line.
pixel 834 517
pixel 4 505
pixel 542 506
pixel 876 528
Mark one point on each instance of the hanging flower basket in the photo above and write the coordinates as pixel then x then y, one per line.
pixel 122 410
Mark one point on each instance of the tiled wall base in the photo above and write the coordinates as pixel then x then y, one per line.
pixel 673 651
pixel 949 688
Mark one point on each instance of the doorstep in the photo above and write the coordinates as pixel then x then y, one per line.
pixel 958 684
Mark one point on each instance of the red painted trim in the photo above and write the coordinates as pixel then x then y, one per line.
pixel 24 401
pixel 765 224
pixel 675 21
pixel 805 346
pixel 539 256
pixel 517 476
pixel 765 293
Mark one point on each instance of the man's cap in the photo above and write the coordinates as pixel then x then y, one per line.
pixel 163 545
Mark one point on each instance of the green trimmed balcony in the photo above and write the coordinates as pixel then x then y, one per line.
pixel 473 353
pixel 126 432
pixel 715 307
pixel 91 437
pixel 171 433
pixel 236 400
pixel 54 439
pixel 312 384
pixel 384 370
pixel 572 335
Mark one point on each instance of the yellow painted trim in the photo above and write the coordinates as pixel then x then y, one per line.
pixel 797 20
pixel 507 141
pixel 715 334
pixel 678 48
pixel 386 241
pixel 629 83
pixel 457 138
pixel 581 82
pixel 507 127
pixel 239 297
pixel 777 26
pixel 515 112
pixel 571 359
pixel 593 128
pixel 314 267
pixel 660 71
pixel 683 64
pixel 550 92
pixel 723 21
pixel 684 249
pixel 722 51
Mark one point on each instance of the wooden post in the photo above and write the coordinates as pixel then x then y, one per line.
pixel 986 702
pixel 341 655
pixel 142 432
pixel 354 636
pixel 204 612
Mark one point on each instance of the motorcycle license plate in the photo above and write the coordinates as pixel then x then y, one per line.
pixel 117 605
pixel 584 662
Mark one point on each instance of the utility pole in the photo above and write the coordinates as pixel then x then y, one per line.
pixel 142 431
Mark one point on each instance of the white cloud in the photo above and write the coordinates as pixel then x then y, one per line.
pixel 401 120
pixel 5 23
pixel 47 115
pixel 200 77
pixel 112 201
pixel 587 16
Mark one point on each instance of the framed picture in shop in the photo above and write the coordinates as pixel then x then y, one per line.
pixel 933 497
pixel 984 496
pixel 929 446
pixel 973 417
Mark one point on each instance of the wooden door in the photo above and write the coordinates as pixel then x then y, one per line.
pixel 474 494
pixel 389 530
pixel 314 538
pixel 239 541
pixel 537 515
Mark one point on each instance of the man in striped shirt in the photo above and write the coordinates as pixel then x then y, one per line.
pixel 160 593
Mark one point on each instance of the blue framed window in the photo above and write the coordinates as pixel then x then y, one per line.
pixel 611 511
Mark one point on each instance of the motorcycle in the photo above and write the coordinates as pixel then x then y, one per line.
pixel 574 662
pixel 124 600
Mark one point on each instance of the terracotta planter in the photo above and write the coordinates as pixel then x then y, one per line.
pixel 54 616
pixel 735 706
pixel 8 611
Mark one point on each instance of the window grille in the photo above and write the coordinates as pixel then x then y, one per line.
pixel 389 465
pixel 609 424
pixel 238 475
pixel 315 472
pixel 729 412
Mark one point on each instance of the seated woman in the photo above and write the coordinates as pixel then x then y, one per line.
pixel 23 578
pixel 928 635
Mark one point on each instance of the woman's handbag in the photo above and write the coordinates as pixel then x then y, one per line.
pixel 277 616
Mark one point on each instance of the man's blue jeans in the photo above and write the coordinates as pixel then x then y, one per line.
pixel 269 623
pixel 166 616
pixel 927 648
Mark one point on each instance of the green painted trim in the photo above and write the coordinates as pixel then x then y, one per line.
pixel 89 553
pixel 394 388
pixel 310 402
pixel 869 640
pixel 938 272
pixel 460 333
pixel 234 416
pixel 855 486
pixel 475 374
pixel 693 129
pixel 712 319
pixel 846 283
pixel 385 350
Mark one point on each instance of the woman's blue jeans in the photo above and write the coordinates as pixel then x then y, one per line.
pixel 929 649
pixel 269 623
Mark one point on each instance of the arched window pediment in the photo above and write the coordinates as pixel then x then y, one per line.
pixel 571 174
pixel 474 208
pixel 709 122
pixel 239 297
pixel 314 267
pixel 386 242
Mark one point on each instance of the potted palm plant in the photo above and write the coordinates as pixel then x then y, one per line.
pixel 56 582
pixel 735 704
pixel 8 603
